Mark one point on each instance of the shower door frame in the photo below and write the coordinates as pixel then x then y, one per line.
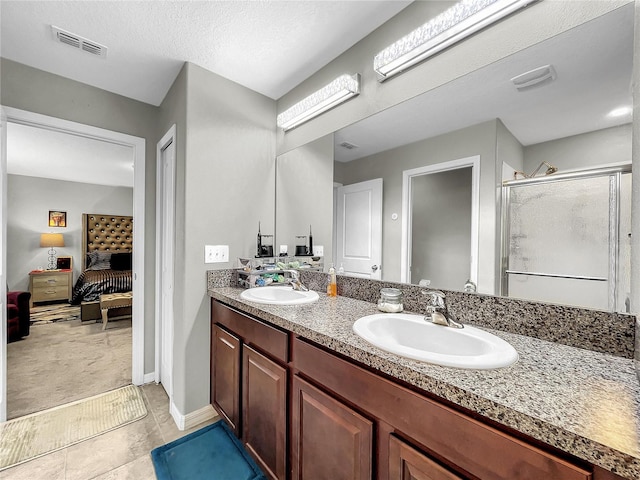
pixel 615 175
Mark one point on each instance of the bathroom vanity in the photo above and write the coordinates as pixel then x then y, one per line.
pixel 311 400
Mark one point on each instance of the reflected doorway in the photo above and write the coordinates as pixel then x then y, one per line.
pixel 440 224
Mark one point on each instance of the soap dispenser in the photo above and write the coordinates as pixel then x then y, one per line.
pixel 332 287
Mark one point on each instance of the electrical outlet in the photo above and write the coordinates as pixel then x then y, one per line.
pixel 318 250
pixel 284 249
pixel 216 253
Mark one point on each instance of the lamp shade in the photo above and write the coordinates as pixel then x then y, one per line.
pixel 51 240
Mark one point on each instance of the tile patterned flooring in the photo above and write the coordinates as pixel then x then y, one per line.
pixel 117 455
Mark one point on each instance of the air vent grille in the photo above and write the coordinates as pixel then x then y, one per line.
pixel 348 146
pixel 76 41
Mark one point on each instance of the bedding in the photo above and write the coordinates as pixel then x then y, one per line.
pixel 93 283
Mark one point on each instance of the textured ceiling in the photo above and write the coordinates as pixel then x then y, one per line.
pixel 267 46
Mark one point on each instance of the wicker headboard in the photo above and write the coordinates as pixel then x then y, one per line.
pixel 113 233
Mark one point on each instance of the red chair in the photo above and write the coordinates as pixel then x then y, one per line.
pixel 18 315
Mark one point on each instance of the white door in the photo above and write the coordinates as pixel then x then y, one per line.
pixel 165 251
pixel 359 229
pixel 3 258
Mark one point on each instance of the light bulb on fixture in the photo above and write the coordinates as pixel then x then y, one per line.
pixel 454 24
pixel 340 90
pixel 620 112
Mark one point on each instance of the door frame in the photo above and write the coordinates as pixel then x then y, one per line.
pixel 137 144
pixel 167 139
pixel 407 176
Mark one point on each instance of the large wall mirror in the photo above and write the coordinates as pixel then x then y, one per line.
pixel 561 119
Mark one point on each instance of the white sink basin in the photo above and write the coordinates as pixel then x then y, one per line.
pixel 279 295
pixel 413 337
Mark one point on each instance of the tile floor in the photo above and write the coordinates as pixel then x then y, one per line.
pixel 117 455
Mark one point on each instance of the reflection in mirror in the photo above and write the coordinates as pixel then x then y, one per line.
pixel 564 121
pixel 304 197
pixel 442 248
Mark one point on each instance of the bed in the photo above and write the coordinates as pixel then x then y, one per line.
pixel 107 242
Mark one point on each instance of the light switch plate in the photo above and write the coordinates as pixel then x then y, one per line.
pixel 216 253
pixel 318 250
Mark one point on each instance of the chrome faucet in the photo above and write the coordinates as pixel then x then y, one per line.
pixel 295 282
pixel 437 310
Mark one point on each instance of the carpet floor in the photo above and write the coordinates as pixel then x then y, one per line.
pixel 34 435
pixel 62 362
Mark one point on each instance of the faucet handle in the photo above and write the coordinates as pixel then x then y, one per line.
pixel 436 297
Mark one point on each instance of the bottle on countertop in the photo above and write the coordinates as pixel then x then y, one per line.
pixel 341 270
pixel 332 287
pixel 259 242
pixel 310 251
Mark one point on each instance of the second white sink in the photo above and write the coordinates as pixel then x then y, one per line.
pixel 279 295
pixel 413 337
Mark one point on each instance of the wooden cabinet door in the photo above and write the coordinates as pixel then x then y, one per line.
pixel 264 412
pixel 330 441
pixel 407 463
pixel 225 376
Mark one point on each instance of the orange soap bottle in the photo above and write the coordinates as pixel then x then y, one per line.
pixel 332 286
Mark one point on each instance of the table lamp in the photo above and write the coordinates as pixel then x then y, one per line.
pixel 51 240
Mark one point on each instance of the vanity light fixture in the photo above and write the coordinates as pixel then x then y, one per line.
pixel 620 112
pixel 451 26
pixel 340 90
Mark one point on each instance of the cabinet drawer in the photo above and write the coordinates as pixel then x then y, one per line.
pixel 251 331
pixel 51 281
pixel 42 294
pixel 475 447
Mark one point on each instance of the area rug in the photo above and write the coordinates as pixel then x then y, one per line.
pixel 34 435
pixel 61 312
pixel 211 453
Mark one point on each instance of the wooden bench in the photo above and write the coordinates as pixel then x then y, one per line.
pixel 114 300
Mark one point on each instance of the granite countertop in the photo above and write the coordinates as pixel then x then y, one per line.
pixel 583 402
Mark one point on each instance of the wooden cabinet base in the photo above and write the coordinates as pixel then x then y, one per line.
pixel 225 376
pixel 330 441
pixel 264 412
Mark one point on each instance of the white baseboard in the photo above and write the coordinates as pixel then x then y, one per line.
pixel 185 422
pixel 149 378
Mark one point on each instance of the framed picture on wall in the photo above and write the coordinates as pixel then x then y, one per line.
pixel 57 219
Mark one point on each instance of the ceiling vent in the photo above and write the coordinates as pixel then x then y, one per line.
pixel 76 41
pixel 348 146
pixel 535 77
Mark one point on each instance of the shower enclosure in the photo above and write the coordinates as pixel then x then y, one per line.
pixel 566 238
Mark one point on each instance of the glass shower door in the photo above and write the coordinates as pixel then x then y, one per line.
pixel 564 242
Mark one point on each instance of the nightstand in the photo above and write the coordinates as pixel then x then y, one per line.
pixel 50 285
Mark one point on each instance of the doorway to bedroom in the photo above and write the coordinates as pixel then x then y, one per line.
pixel 67 354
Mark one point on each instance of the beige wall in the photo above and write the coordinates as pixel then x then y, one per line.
pixel 593 149
pixel 29 200
pixel 228 186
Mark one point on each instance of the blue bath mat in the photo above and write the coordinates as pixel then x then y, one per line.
pixel 212 453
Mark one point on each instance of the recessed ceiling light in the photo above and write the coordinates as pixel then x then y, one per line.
pixel 620 112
